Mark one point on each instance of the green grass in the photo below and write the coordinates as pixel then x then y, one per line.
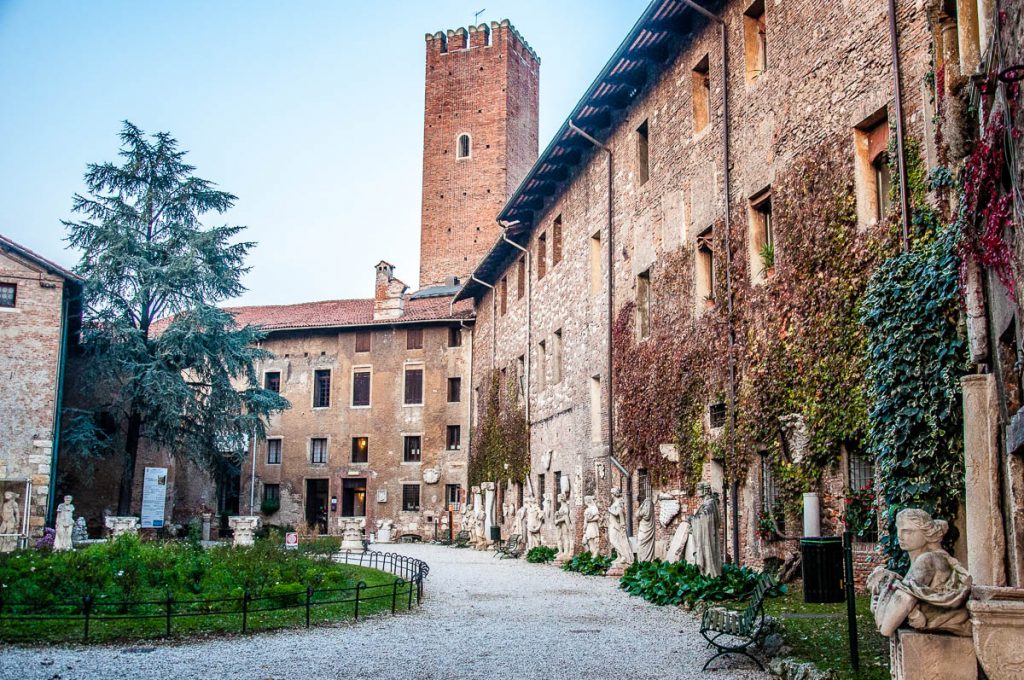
pixel 823 641
pixel 130 581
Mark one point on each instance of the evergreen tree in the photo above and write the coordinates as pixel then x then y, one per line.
pixel 188 383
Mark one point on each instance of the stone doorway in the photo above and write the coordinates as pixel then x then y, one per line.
pixel 353 497
pixel 316 503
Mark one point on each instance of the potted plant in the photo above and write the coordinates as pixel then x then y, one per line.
pixel 768 259
pixel 709 301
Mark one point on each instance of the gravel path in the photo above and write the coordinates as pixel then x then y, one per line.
pixel 481 618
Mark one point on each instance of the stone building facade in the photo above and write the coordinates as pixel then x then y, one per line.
pixel 39 319
pixel 646 142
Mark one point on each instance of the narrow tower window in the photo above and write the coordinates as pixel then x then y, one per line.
pixel 643 168
pixel 701 95
pixel 463 148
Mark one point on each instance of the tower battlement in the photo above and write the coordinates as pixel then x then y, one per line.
pixel 483 35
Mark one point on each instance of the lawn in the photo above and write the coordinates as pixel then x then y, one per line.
pixel 817 632
pixel 128 587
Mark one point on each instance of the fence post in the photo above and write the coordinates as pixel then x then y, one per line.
pixel 170 601
pixel 359 587
pixel 86 610
pixel 409 605
pixel 309 596
pixel 245 611
pixel 394 595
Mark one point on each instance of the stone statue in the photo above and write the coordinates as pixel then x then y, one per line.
pixel 933 594
pixel 520 521
pixel 617 529
pixel 10 522
pixel 645 532
pixel 479 530
pixel 705 526
pixel 64 524
pixel 563 525
pixel 591 526
pixel 534 523
pixel 80 532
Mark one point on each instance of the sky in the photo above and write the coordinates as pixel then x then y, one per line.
pixel 310 112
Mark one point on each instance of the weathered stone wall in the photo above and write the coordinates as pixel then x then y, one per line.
pixel 30 333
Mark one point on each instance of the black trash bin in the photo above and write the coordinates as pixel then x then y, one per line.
pixel 823 569
pixel 495 534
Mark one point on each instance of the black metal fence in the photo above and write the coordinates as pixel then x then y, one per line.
pixel 403 593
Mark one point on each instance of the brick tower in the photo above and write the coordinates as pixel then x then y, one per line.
pixel 479 141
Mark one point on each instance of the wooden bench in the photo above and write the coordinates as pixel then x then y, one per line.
pixel 461 539
pixel 513 548
pixel 733 631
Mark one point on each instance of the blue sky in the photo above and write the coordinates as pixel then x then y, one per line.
pixel 310 112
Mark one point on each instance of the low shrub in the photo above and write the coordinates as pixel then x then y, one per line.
pixel 270 505
pixel 589 565
pixel 682 583
pixel 541 554
pixel 322 546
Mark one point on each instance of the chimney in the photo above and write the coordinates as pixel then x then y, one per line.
pixel 388 294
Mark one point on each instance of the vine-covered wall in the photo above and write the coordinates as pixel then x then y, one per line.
pixel 501 439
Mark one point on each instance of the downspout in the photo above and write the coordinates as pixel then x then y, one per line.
pixel 731 330
pixel 529 309
pixel 611 350
pixel 494 319
pixel 58 405
pixel 904 193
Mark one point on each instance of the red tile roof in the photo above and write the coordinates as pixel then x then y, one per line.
pixel 340 313
pixel 49 265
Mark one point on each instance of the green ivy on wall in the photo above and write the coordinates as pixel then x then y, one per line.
pixel 501 440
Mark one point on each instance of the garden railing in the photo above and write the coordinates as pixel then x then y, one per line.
pixel 403 592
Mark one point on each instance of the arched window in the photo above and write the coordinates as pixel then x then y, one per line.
pixel 463 147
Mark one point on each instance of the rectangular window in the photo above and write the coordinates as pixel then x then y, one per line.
pixel 521 278
pixel 272 381
pixel 761 238
pixel 860 495
pixel 595 263
pixel 362 341
pixel 8 294
pixel 273 452
pixel 716 414
pixel 872 181
pixel 643 303
pixel 271 492
pixel 410 497
pixel 540 488
pixel 542 256
pixel 643 485
pixel 412 449
pixel 452 494
pixel 321 389
pixel 521 376
pixel 595 410
pixel 413 386
pixel 361 388
pixel 414 338
pixel 704 288
pixel 556 357
pixel 643 167
pixel 503 295
pixel 556 241
pixel 454 437
pixel 701 95
pixel 454 389
pixel 455 337
pixel 542 365
pixel 558 483
pixel 360 449
pixel 318 451
pixel 755 39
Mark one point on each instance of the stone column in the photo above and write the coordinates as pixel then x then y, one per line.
pixel 986 543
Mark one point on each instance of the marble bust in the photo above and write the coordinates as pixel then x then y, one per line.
pixel 932 596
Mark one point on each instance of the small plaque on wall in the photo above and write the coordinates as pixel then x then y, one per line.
pixel 382 495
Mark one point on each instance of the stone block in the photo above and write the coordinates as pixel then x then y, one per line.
pixel 930 656
pixel 997 617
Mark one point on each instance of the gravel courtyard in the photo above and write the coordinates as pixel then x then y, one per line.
pixel 481 618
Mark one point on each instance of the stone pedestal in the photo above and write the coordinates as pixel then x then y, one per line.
pixel 207 522
pixel 351 535
pixel 931 656
pixel 122 525
pixel 243 528
pixel 997 617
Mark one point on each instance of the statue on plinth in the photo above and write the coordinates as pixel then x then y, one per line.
pixel 64 524
pixel 563 525
pixel 645 532
pixel 932 596
pixel 534 523
pixel 10 522
pixel 617 529
pixel 705 528
pixel 591 526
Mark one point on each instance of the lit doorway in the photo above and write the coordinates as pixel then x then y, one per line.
pixel 353 497
pixel 316 503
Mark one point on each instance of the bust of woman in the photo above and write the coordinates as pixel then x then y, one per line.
pixel 933 594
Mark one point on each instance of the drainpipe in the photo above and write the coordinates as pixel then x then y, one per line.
pixel 529 308
pixel 904 193
pixel 731 443
pixel 611 349
pixel 494 319
pixel 58 406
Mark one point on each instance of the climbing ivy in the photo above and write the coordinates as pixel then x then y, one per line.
pixel 916 354
pixel 501 441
